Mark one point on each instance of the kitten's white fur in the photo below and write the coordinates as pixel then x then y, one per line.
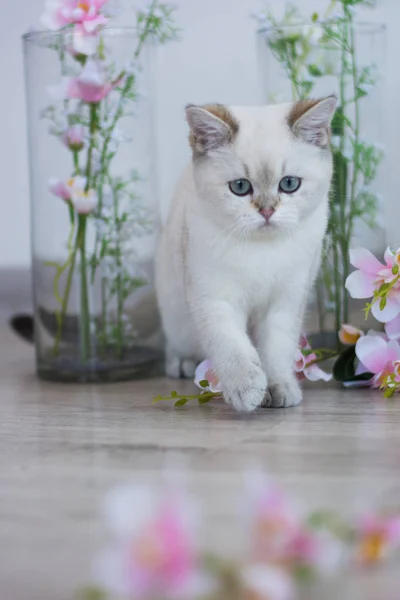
pixel 232 288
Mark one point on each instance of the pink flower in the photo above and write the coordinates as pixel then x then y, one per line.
pixel 305 365
pixel 154 553
pixel 91 85
pixel 377 537
pixel 85 16
pixel 206 372
pixel 60 189
pixel 74 191
pixel 371 274
pixel 376 356
pixel 74 138
pixel 392 328
pixel 60 13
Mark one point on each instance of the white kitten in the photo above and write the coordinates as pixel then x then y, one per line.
pixel 242 246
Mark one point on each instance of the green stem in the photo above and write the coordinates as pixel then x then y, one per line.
pixel 118 261
pixel 356 131
pixel 321 302
pixel 118 114
pixel 93 127
pixel 103 336
pixel 337 285
pixel 67 292
pixel 76 163
pixel 85 314
pixel 340 238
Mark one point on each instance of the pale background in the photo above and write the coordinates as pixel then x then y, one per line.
pixel 216 61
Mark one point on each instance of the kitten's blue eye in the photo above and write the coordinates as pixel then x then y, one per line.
pixel 289 184
pixel 241 187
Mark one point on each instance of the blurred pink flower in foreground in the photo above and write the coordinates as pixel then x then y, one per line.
pixel 154 551
pixel 378 536
pixel 305 364
pixel 369 277
pixel 262 582
pixel 279 536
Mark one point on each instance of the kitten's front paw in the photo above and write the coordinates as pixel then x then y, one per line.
pixel 246 389
pixel 283 394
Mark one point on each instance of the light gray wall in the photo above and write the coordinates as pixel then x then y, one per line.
pixel 215 62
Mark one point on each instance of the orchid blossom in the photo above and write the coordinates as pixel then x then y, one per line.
pixel 153 553
pixel 369 278
pixel 377 537
pixel 306 366
pixel 376 355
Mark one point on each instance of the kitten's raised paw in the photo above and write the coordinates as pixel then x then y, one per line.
pixel 283 395
pixel 248 393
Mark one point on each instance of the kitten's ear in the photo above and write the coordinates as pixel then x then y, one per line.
pixel 311 120
pixel 211 126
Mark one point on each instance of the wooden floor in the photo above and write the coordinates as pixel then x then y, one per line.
pixel 63 446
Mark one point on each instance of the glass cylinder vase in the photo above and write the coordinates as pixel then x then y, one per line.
pixel 94 206
pixel 348 59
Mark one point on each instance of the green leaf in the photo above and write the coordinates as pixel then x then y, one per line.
pixel 92 593
pixel 203 399
pixel 204 383
pixel 181 402
pixel 389 392
pixel 315 71
pixel 314 17
pixel 174 394
pixel 382 303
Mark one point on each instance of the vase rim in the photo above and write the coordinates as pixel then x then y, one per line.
pixel 371 26
pixel 33 36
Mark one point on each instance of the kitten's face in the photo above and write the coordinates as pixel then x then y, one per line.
pixel 262 169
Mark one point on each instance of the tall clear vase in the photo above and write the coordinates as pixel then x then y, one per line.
pixel 348 59
pixel 94 206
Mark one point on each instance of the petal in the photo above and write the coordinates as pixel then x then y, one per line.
pixel 390 312
pixel 392 328
pixel 371 351
pixel 349 335
pixel 360 284
pixel 262 581
pixel 200 373
pixel 393 351
pixel 128 509
pixel 314 373
pixel 365 261
pixel 389 257
pixel 84 43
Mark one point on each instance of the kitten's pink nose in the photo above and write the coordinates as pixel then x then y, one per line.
pixel 267 213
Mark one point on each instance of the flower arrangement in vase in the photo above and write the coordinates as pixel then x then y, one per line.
pixel 108 204
pixel 316 56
